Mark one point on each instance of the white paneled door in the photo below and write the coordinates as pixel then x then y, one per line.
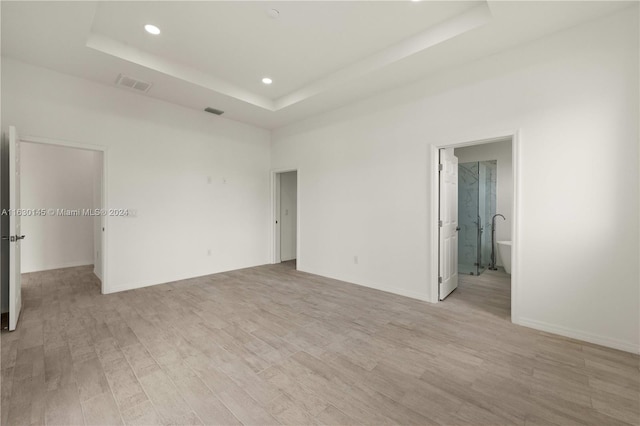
pixel 15 237
pixel 448 223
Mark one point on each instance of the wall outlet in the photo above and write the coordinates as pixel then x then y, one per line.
pixel 355 259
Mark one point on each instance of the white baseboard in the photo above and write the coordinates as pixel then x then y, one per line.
pixel 397 291
pixel 580 335
pixel 60 265
pixel 142 284
pixel 133 286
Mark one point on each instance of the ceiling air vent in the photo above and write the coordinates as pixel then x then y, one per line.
pixel 214 111
pixel 132 83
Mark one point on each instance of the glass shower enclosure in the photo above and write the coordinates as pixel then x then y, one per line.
pixel 476 207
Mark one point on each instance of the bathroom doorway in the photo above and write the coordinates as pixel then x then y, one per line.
pixel 485 212
pixel 485 202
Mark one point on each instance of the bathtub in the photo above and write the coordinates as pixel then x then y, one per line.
pixel 504 253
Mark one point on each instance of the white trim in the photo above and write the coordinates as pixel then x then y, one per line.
pixel 60 142
pixel 580 335
pixel 172 280
pixel 433 224
pixel 135 286
pixel 105 157
pixel 514 136
pixel 516 229
pixel 96 273
pixel 62 265
pixel 273 229
pixel 422 296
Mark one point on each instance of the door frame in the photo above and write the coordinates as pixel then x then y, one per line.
pixel 275 201
pixel 515 137
pixel 104 288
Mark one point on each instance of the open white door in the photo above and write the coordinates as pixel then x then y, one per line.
pixel 15 237
pixel 448 223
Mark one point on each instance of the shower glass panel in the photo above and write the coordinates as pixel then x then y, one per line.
pixel 476 207
pixel 467 217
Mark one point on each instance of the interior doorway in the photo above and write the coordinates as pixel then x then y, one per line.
pixel 285 212
pixel 68 183
pixel 475 229
pixel 49 187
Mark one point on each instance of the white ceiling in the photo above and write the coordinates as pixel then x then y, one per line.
pixel 321 55
pixel 239 43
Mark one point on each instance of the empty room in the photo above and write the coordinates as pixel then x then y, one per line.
pixel 320 212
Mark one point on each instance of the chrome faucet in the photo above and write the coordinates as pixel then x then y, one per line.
pixel 493 219
pixel 492 265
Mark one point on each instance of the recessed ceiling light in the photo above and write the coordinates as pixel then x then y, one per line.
pixel 152 29
pixel 267 80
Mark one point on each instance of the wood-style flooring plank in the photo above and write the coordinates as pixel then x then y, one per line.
pixel 272 345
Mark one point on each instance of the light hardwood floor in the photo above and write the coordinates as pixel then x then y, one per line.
pixel 270 345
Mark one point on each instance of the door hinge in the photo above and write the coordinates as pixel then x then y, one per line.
pixel 439 280
pixel 440 223
pixel 440 167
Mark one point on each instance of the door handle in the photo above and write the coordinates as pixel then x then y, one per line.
pixel 21 237
pixel 457 228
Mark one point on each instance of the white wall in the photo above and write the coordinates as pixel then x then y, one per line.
pixel 198 182
pixel 365 179
pixel 57 178
pixel 288 215
pixel 501 152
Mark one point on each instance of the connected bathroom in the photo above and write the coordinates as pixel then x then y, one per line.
pixel 485 199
